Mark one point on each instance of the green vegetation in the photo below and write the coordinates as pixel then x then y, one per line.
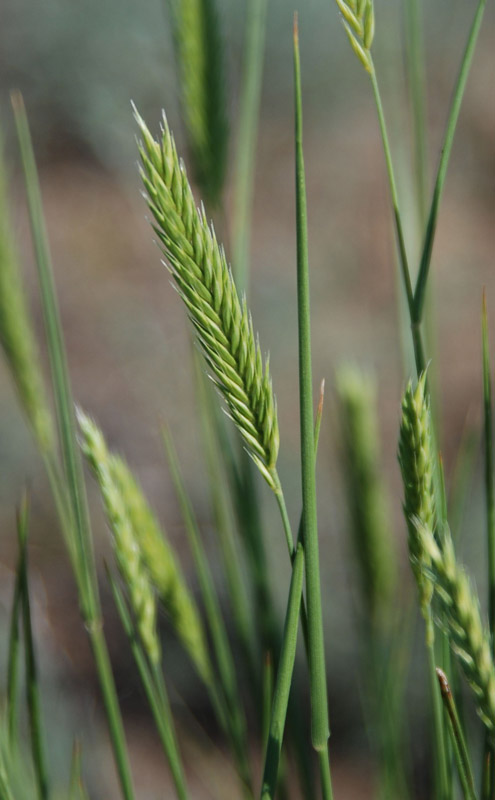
pixel 252 697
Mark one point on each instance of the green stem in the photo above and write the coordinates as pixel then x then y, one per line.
pixel 459 744
pixel 224 524
pixel 489 749
pixel 13 657
pixel 424 267
pixel 325 777
pixel 246 145
pixel 318 687
pixel 234 713
pixel 81 547
pixel 439 755
pixel 157 698
pixel 284 678
pixel 489 473
pixel 401 246
pixel 416 79
pixel 33 694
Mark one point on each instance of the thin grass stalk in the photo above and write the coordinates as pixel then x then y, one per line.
pixel 158 701
pixel 85 572
pixel 318 687
pixel 13 662
pixel 419 355
pixel 199 53
pixel 463 761
pixel 444 648
pixel 234 713
pixel 58 359
pixel 417 91
pixel 268 689
pixel 424 267
pixel 284 678
pixel 32 685
pixel 489 472
pixel 489 748
pixel 17 336
pixel 224 525
pixel 289 640
pixel 249 107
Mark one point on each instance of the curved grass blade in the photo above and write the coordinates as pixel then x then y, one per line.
pixel 157 698
pixel 74 515
pixel 424 267
pixel 32 685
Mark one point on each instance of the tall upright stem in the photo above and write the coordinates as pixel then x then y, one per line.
pixel 318 687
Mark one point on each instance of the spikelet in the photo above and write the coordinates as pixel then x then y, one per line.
pixel 16 333
pixel 358 19
pixel 223 324
pixel 126 545
pixel 199 55
pixel 416 463
pixel 145 558
pixel 367 496
pixel 469 639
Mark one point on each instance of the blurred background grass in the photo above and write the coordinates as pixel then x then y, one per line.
pixel 78 66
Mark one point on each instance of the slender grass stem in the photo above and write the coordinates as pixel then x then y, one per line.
pixel 58 359
pixel 246 144
pixel 406 276
pixel 419 355
pixel 81 550
pixel 223 515
pixel 13 663
pixel 32 686
pixel 416 81
pixel 424 267
pixel 318 687
pixel 439 757
pixel 489 472
pixel 489 748
pixel 234 712
pixel 157 700
pixel 461 752
pixel 285 522
pixel 284 678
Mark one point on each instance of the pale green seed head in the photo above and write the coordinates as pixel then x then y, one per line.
pixel 417 465
pixel 358 19
pixel 127 548
pixel 221 319
pixel 459 602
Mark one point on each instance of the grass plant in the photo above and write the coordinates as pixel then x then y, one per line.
pixel 250 674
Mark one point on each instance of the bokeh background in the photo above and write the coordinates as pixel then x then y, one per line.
pixel 78 67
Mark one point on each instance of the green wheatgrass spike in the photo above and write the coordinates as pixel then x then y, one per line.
pixel 128 556
pixel 366 491
pixel 221 319
pixel 417 465
pixel 469 639
pixel 16 334
pixel 200 62
pixel 358 19
pixel 157 565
